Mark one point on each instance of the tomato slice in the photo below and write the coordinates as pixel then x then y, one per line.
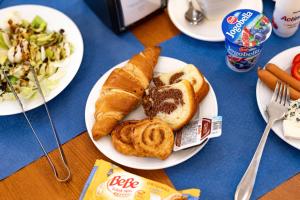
pixel 296 59
pixel 296 71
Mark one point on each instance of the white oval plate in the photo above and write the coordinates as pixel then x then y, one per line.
pixel 208 108
pixel 55 21
pixel 264 94
pixel 207 30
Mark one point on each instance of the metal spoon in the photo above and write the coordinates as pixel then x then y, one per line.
pixel 192 15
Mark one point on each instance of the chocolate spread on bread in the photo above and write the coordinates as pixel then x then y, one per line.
pixel 174 78
pixel 157 82
pixel 161 100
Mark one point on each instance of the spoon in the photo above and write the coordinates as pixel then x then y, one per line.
pixel 192 15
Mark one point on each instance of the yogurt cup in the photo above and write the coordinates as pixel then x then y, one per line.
pixel 245 32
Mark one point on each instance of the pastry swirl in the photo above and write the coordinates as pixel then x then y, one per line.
pixel 153 138
pixel 145 138
pixel 121 137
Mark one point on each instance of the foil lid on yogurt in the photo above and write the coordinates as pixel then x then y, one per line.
pixel 246 27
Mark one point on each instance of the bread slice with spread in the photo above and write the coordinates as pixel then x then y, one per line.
pixel 174 104
pixel 189 73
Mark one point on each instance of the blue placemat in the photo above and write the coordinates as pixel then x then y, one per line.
pixel 103 49
pixel 218 168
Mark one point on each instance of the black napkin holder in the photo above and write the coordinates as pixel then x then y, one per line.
pixel 121 14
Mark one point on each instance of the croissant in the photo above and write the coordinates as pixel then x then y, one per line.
pixel 123 90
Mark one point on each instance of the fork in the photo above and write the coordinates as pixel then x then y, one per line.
pixel 276 110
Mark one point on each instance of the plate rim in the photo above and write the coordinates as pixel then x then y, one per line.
pixel 195 36
pixel 200 147
pixel 79 43
pixel 258 98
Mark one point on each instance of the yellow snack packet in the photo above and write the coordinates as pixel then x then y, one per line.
pixel 109 182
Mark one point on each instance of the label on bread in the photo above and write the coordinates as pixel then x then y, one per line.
pixel 108 181
pixel 198 131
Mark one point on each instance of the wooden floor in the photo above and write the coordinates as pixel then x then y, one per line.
pixel 36 180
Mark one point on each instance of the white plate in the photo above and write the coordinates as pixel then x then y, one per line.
pixel 208 108
pixel 264 94
pixel 207 30
pixel 56 21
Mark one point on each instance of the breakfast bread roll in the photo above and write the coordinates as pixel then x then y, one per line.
pixel 153 138
pixel 122 91
pixel 283 76
pixel 270 80
pixel 201 94
pixel 189 73
pixel 110 108
pixel 122 80
pixel 121 137
pixel 142 65
pixel 174 104
pixel 143 138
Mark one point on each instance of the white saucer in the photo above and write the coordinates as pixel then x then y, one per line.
pixel 207 30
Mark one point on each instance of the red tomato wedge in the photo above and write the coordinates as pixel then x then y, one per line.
pixel 295 71
pixel 296 59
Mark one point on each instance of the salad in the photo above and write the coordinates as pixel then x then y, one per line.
pixel 25 44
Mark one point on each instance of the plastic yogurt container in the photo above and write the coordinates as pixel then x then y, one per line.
pixel 245 32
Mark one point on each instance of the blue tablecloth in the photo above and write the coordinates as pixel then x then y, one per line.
pixel 103 49
pixel 218 168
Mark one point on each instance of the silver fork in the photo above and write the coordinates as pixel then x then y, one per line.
pixel 276 111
